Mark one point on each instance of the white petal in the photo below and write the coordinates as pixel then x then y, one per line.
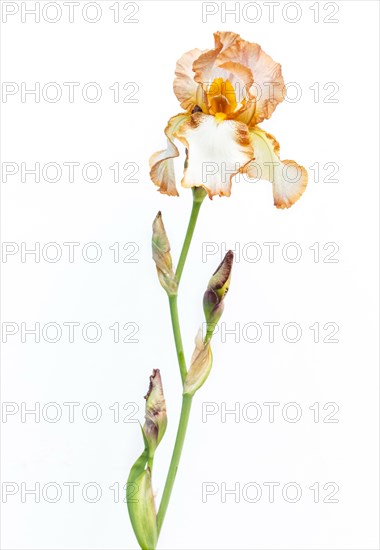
pixel 217 150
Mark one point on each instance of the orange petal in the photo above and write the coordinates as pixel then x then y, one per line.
pixel 210 66
pixel 289 179
pixel 217 150
pixel 252 72
pixel 161 163
pixel 185 87
pixel 267 89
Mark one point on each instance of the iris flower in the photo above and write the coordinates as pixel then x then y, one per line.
pixel 225 93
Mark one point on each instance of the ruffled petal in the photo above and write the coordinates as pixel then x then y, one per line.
pixel 204 65
pixel 267 89
pixel 256 78
pixel 161 163
pixel 217 150
pixel 289 179
pixel 188 92
pixel 210 66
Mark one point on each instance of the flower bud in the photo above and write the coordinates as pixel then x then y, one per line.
pixel 200 367
pixel 155 412
pixel 216 290
pixel 141 508
pixel 162 257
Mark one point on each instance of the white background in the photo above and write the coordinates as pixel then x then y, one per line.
pixel 305 292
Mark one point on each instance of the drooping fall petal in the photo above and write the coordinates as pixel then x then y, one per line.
pixel 161 163
pixel 289 179
pixel 217 150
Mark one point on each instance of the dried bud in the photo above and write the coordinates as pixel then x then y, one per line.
pixel 216 290
pixel 141 506
pixel 155 412
pixel 140 498
pixel 200 367
pixel 162 257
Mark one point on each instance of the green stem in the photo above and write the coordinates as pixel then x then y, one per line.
pixel 177 336
pixel 198 195
pixel 181 433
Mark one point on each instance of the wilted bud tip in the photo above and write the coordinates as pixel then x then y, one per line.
pixel 155 411
pixel 222 275
pixel 216 290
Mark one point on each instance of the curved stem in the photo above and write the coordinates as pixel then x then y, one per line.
pixel 182 427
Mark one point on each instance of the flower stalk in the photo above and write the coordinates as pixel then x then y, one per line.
pixel 201 361
pixel 176 456
pixel 220 130
pixel 198 196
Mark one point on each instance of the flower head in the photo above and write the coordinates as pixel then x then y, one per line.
pixel 226 92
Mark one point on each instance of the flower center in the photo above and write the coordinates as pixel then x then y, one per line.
pixel 221 99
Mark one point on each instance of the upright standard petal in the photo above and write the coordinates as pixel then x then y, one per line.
pixel 289 179
pixel 256 78
pixel 161 163
pixel 188 92
pixel 267 88
pixel 204 65
pixel 217 150
pixel 211 66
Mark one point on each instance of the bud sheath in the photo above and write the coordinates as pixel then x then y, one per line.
pixel 200 367
pixel 162 257
pixel 141 507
